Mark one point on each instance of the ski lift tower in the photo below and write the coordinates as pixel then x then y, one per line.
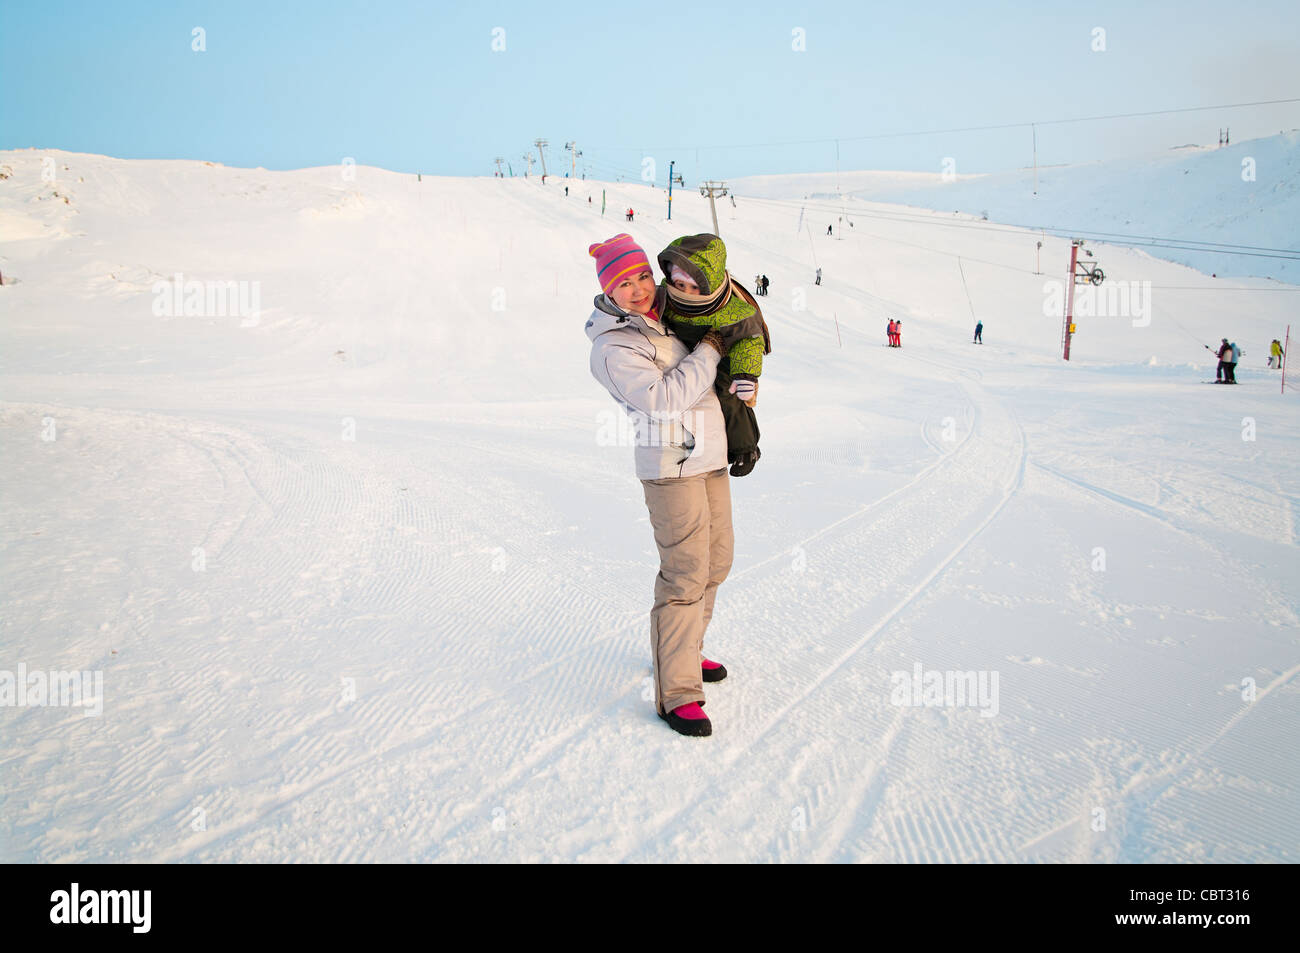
pixel 542 144
pixel 572 148
pixel 712 189
pixel 1079 274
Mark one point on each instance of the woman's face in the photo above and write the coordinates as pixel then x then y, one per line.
pixel 635 294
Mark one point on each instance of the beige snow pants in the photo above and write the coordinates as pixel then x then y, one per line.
pixel 691 518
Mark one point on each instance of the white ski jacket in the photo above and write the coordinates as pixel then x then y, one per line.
pixel 665 388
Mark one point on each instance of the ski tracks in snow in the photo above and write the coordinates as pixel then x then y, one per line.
pixel 803 668
pixel 837 721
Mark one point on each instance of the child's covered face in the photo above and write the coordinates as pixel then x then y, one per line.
pixel 686 285
pixel 635 294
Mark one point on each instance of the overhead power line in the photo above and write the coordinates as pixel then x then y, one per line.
pixel 936 132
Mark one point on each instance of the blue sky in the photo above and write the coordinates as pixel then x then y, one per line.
pixel 717 87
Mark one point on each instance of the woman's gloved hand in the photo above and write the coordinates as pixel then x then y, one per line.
pixel 746 390
pixel 715 339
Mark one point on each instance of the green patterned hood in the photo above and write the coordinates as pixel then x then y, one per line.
pixel 733 313
pixel 703 257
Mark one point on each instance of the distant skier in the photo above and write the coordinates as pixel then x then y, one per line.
pixel 828 229
pixel 1234 355
pixel 898 334
pixel 630 213
pixel 1275 353
pixel 889 332
pixel 566 191
pixel 1223 353
pixel 758 284
pixel 819 277
pixel 765 284
pixel 979 331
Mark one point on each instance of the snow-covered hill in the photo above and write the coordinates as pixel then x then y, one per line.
pixel 363 582
pixel 1246 194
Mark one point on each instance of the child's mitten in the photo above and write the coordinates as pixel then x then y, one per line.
pixel 743 463
pixel 746 390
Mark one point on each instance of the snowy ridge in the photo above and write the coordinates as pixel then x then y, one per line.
pixel 1245 194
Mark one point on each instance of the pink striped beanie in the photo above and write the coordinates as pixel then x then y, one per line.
pixel 618 258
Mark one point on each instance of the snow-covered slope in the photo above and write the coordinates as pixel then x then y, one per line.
pixel 363 582
pixel 1246 194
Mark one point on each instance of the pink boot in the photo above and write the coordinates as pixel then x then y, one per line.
pixel 712 671
pixel 689 719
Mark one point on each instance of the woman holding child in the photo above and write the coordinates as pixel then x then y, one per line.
pixel 683 359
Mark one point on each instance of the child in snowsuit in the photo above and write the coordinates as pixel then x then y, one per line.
pixel 701 297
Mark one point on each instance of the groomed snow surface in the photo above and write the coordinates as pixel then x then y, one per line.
pixel 365 580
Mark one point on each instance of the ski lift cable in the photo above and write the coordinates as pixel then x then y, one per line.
pixel 1026 271
pixel 921 217
pixel 1175 244
pixel 950 254
pixel 609 168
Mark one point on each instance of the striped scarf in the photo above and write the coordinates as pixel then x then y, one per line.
pixel 695 305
